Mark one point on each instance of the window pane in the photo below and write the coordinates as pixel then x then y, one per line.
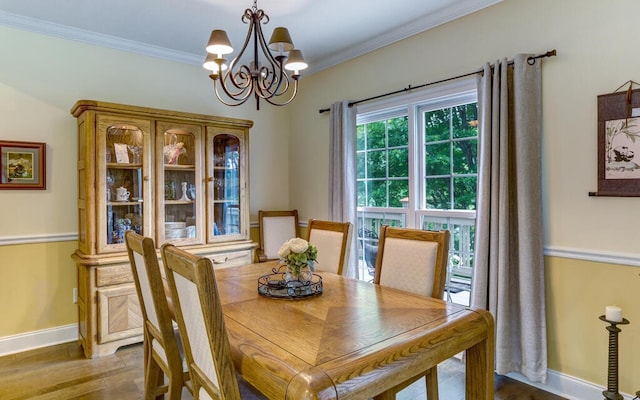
pixel 360 167
pixel 362 197
pixel 377 164
pixel 436 125
pixel 376 135
pixel 437 159
pixel 398 190
pixel 399 162
pixel 438 193
pixel 398 131
pixel 377 196
pixel 464 192
pixel 465 156
pixel 465 120
pixel 360 137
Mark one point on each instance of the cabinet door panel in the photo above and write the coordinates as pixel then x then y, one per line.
pixel 179 183
pixel 227 194
pixel 119 314
pixel 122 160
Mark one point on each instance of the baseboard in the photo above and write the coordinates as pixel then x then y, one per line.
pixel 569 387
pixel 36 339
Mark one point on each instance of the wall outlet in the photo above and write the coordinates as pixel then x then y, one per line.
pixel 75 295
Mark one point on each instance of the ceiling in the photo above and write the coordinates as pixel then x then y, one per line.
pixel 327 31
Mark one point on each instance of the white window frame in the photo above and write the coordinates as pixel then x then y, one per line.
pixel 414 104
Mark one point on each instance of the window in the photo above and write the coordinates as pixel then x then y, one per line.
pixel 417 168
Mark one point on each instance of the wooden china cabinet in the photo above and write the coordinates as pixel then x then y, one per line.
pixel 178 177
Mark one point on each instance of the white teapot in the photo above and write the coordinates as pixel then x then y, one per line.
pixel 122 194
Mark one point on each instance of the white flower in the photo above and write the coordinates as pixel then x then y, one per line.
pixel 298 245
pixel 284 250
pixel 297 253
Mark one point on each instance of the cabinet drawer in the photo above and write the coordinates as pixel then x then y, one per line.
pixel 231 259
pixel 113 275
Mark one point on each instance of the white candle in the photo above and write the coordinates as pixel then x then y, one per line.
pixel 613 313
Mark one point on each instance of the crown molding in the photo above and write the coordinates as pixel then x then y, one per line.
pixel 413 28
pixel 98 39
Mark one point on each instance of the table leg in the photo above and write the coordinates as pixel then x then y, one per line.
pixel 480 367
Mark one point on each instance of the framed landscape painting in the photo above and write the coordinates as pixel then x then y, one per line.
pixel 23 165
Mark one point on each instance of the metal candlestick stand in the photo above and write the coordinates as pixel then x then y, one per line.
pixel 612 382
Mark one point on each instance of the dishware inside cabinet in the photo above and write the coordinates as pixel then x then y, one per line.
pixel 180 203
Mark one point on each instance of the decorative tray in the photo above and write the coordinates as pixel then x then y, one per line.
pixel 277 285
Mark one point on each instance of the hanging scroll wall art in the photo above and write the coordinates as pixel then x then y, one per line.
pixel 619 144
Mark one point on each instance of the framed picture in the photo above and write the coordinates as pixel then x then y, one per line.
pixel 23 165
pixel 619 144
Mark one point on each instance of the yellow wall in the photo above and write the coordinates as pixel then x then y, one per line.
pixel 577 294
pixel 596 43
pixel 36 282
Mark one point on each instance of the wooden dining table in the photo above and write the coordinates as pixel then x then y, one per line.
pixel 355 340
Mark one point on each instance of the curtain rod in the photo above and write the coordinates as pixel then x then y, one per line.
pixel 531 60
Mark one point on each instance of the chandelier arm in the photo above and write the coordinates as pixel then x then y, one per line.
pixel 237 102
pixel 264 81
pixel 293 95
pixel 243 84
pixel 242 94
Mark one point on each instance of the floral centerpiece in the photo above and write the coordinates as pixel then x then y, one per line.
pixel 298 254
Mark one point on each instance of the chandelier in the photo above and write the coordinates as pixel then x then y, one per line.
pixel 268 76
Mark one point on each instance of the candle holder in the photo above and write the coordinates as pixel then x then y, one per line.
pixel 612 379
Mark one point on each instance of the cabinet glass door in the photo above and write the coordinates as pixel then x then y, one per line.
pixel 226 184
pixel 180 205
pixel 124 176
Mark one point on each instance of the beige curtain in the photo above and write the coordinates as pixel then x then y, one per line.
pixel 342 173
pixel 508 276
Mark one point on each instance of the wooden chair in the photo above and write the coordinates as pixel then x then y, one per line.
pixel 161 343
pixel 413 260
pixel 276 227
pixel 333 241
pixel 201 324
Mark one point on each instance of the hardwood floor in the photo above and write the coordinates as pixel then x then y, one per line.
pixel 61 372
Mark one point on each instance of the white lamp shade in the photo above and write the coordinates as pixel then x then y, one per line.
pixel 295 61
pixel 281 40
pixel 219 43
